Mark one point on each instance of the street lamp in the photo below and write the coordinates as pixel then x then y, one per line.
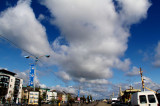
pixel 36 59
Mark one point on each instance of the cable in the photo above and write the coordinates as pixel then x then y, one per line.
pixel 16 45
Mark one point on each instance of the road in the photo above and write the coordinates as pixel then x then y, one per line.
pixel 103 104
pixel 90 104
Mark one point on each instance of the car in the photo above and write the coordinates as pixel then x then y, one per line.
pixel 144 98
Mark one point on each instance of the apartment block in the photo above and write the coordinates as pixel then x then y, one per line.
pixel 10 87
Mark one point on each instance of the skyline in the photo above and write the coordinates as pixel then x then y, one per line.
pixel 99 48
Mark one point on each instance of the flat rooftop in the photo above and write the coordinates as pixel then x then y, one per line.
pixel 4 71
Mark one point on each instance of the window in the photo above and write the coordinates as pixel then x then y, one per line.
pixel 151 99
pixel 142 99
pixel 35 101
pixel 11 80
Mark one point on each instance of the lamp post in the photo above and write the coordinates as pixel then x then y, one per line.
pixel 36 59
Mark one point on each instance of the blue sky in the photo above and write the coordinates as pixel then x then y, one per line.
pixel 90 42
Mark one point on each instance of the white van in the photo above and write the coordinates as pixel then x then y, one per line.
pixel 146 98
pixel 114 100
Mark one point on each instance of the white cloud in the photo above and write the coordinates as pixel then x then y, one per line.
pixel 133 72
pixel 41 17
pixel 95 37
pixel 42 85
pixel 68 89
pixel 24 76
pixel 123 65
pixel 133 10
pixel 136 85
pixel 95 34
pixel 157 56
pixel 19 25
pixel 63 75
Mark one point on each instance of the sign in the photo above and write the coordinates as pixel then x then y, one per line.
pixel 31 76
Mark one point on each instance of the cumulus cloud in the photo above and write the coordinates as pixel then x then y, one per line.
pixel 133 72
pixel 64 75
pixel 41 17
pixel 24 75
pixel 93 37
pixel 96 35
pixel 157 56
pixel 133 10
pixel 68 89
pixel 19 25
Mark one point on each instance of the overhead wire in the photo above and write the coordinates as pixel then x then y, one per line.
pixel 15 45
pixel 12 43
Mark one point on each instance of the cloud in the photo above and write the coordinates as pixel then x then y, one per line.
pixel 93 38
pixel 63 75
pixel 42 85
pixel 41 17
pixel 68 89
pixel 132 11
pixel 24 75
pixel 156 62
pixel 136 85
pixel 96 35
pixel 133 72
pixel 19 25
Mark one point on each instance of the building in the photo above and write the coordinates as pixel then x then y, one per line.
pixel 10 87
pixel 25 93
pixel 33 98
pixel 51 95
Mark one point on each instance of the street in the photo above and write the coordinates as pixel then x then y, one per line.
pixel 76 104
pixel 103 104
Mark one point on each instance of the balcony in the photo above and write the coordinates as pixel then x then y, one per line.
pixel 4 80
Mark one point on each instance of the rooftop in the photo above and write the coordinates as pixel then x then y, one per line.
pixel 4 71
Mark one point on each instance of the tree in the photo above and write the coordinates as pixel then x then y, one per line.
pixel 44 96
pixel 91 97
pixel 83 98
pixel 53 100
pixel 88 99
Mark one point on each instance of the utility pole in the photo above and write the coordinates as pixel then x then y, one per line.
pixel 141 72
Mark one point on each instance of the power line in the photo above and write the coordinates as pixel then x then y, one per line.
pixel 12 43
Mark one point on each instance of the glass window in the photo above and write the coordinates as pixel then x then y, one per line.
pixel 142 99
pixel 151 99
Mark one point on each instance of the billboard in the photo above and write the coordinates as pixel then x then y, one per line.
pixel 31 76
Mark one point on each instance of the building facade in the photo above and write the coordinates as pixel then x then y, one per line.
pixel 10 87
pixel 33 97
pixel 51 95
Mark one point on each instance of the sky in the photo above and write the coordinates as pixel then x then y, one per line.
pixel 94 45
